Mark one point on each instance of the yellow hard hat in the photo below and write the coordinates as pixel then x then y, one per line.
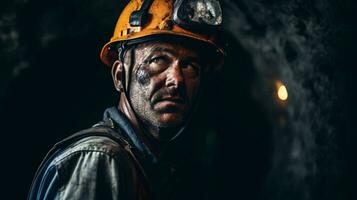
pixel 143 19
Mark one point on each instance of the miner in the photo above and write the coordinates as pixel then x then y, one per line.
pixel 158 56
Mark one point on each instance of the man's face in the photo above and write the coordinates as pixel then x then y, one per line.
pixel 164 83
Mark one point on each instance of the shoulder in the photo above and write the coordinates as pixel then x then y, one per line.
pixel 82 163
pixel 94 163
pixel 93 146
pixel 89 160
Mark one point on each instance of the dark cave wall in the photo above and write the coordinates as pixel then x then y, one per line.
pixel 296 43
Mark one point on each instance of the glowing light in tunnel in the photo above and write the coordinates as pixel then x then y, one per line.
pixel 283 93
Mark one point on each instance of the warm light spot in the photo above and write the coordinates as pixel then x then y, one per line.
pixel 283 93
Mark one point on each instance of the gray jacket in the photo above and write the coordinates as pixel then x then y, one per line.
pixel 105 162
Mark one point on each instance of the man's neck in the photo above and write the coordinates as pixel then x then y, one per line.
pixel 150 135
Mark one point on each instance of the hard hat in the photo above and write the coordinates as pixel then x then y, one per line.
pixel 145 20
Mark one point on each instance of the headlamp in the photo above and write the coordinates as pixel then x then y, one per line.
pixel 202 15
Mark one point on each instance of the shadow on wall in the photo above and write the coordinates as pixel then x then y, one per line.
pixel 64 86
pixel 244 150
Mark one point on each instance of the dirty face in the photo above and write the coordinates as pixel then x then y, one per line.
pixel 164 83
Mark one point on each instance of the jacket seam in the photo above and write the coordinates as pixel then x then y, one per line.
pixel 110 154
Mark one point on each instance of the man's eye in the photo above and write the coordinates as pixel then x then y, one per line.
pixel 158 60
pixel 190 67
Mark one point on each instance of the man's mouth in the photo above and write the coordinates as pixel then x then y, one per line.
pixel 177 100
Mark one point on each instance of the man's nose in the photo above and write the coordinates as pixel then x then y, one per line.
pixel 174 75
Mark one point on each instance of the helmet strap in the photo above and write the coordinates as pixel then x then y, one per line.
pixel 126 77
pixel 123 46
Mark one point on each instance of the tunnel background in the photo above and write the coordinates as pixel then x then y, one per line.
pixel 255 146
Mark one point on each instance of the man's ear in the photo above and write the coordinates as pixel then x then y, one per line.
pixel 117 75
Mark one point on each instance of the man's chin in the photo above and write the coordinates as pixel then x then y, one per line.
pixel 170 120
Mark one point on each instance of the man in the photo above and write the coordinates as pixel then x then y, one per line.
pixel 158 55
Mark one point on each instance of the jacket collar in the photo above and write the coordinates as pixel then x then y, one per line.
pixel 118 121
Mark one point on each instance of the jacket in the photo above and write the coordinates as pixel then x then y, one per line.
pixel 107 161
